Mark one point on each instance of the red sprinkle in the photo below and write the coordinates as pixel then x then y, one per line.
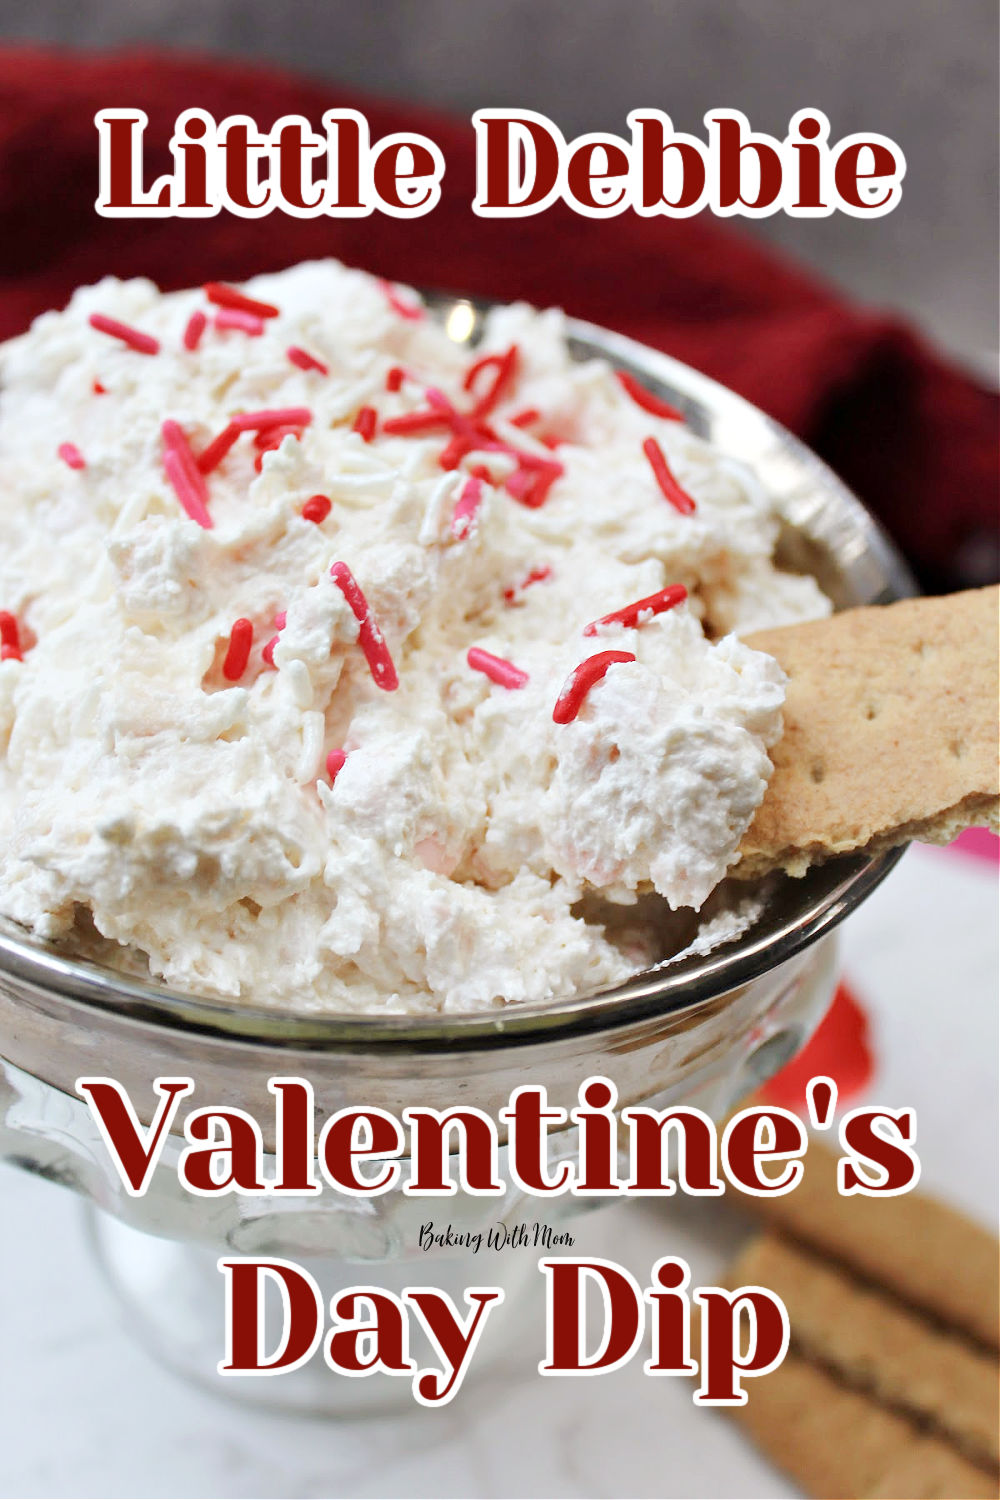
pixel 142 343
pixel 217 449
pixel 525 418
pixel 480 471
pixel 505 366
pixel 195 328
pixel 238 652
pixel 395 378
pixel 467 508
pixel 335 762
pixel 654 604
pixel 395 301
pixel 679 498
pixel 370 637
pixel 414 421
pixel 537 575
pixel 365 423
pixel 232 317
pixel 10 637
pixel 581 680
pixel 306 361
pixel 273 437
pixel 282 416
pixel 71 455
pixel 183 472
pixel 646 399
pixel 99 389
pixel 230 297
pixel 316 509
pixel 268 651
pixel 496 668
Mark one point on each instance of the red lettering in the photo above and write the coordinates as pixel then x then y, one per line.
pixel 519 158
pixel 398 161
pixel 295 165
pixel 301 1323
pixel 566 1317
pixel 477 1152
pixel 582 173
pixel 376 1343
pixel 722 1365
pixel 528 1119
pixel 896 1166
pixel 653 144
pixel 134 1157
pixel 230 1136
pixel 758 1135
pixel 353 1134
pixel 697 1149
pixel 731 149
pixel 847 173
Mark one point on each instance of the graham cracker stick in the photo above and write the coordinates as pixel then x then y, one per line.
pixel 890 734
pixel 929 1255
pixel 868 1341
pixel 837 1444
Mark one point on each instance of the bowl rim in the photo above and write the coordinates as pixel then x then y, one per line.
pixel 831 890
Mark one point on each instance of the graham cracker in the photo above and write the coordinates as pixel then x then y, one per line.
pixel 924 1252
pixel 891 731
pixel 867 1340
pixel 836 1443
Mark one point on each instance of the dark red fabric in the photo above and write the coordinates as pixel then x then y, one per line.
pixel 914 437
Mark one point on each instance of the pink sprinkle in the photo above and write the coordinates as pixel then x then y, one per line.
pixel 466 510
pixel 217 449
pixel 316 509
pixel 530 483
pixel 10 637
pixel 281 619
pixel 365 423
pixel 537 575
pixel 404 309
pixel 496 668
pixel 395 378
pixel 669 487
pixel 370 637
pixel 282 416
pixel 195 328
pixel 230 297
pixel 306 361
pixel 231 317
pixel 654 604
pixel 71 455
pixel 238 652
pixel 581 680
pixel 185 490
pixel 142 343
pixel 335 762
pixel 183 472
pixel 268 651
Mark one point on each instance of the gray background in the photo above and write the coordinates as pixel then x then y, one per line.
pixel 923 72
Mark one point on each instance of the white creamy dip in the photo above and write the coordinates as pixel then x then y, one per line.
pixel 198 821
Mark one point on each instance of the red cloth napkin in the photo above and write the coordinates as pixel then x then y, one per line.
pixel 914 437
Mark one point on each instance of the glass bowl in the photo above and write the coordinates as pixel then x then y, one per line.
pixel 704 1030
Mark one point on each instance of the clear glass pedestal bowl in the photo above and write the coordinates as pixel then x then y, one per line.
pixel 705 1030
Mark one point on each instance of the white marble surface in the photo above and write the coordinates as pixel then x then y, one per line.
pixel 85 1412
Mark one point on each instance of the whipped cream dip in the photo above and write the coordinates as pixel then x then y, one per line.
pixel 299 602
